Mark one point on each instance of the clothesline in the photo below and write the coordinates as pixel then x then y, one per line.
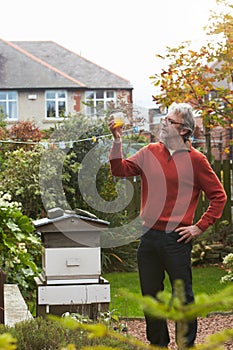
pixel 62 144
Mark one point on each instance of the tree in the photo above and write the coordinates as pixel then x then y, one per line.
pixel 203 78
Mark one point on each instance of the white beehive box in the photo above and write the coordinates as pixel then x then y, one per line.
pixel 71 261
pixel 71 265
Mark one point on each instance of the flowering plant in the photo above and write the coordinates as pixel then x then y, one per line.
pixel 228 263
pixel 20 247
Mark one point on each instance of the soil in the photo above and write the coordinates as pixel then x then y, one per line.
pixel 206 326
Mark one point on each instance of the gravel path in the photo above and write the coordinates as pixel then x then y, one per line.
pixel 206 326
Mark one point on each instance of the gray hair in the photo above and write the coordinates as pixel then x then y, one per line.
pixel 186 111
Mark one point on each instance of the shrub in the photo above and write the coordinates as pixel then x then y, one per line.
pixel 49 334
pixel 20 248
pixel 25 131
pixel 123 258
pixel 19 178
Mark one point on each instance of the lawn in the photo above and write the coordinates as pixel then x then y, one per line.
pixel 205 280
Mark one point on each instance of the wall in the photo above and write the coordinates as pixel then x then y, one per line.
pixel 31 106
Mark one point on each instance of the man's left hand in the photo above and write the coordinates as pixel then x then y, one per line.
pixel 187 233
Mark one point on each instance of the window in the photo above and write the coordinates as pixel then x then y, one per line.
pixel 99 101
pixel 56 104
pixel 8 104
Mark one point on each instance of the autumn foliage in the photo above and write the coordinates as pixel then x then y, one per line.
pixel 25 131
pixel 203 77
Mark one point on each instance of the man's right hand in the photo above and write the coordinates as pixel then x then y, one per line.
pixel 115 130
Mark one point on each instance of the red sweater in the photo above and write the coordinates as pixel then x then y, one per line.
pixel 171 185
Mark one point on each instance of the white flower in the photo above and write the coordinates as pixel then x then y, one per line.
pixel 6 197
pixel 227 278
pixel 228 260
pixel 17 204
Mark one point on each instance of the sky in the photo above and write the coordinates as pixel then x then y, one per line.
pixel 122 36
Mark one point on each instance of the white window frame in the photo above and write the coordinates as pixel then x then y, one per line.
pixel 11 104
pixel 56 99
pixel 92 111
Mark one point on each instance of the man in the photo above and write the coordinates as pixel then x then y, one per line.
pixel 173 174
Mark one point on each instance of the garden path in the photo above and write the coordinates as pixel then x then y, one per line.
pixel 206 326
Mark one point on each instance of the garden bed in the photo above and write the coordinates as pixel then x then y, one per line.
pixel 206 326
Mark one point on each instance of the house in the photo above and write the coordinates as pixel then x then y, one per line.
pixel 43 82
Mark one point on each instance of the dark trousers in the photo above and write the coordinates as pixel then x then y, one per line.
pixel 159 252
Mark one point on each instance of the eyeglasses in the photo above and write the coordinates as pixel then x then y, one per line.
pixel 170 121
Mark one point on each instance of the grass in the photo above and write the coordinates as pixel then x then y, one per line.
pixel 205 280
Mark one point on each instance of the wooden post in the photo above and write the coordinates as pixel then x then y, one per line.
pixel 227 187
pixel 2 281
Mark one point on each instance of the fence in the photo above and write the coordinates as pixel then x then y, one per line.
pixel 224 171
pixel 2 281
